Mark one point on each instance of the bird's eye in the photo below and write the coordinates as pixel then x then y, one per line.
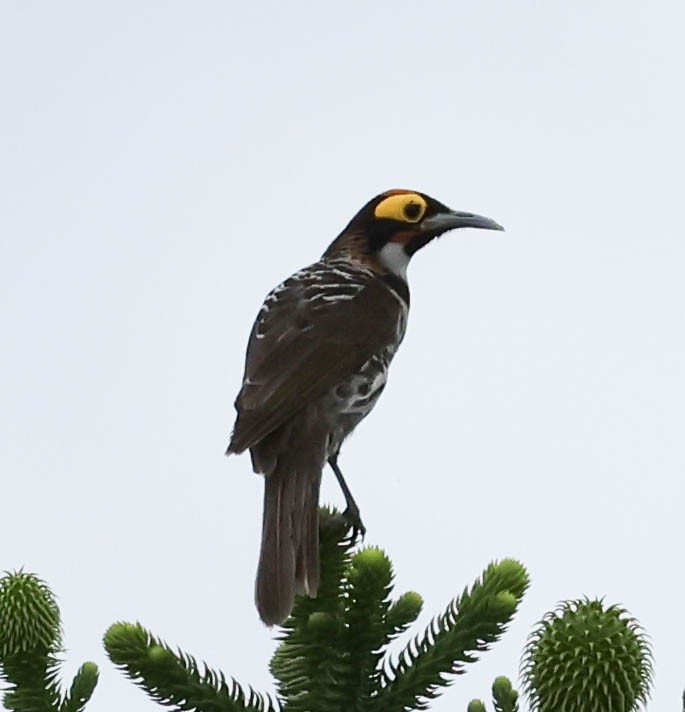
pixel 401 206
pixel 412 211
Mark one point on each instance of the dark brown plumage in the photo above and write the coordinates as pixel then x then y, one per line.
pixel 317 361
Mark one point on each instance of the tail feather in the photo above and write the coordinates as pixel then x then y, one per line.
pixel 307 556
pixel 289 556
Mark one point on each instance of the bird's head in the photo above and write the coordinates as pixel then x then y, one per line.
pixel 395 225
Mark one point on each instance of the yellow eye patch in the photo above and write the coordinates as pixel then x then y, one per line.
pixel 405 207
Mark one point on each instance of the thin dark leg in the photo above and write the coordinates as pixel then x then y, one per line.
pixel 351 513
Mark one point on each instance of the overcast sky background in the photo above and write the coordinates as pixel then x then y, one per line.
pixel 164 164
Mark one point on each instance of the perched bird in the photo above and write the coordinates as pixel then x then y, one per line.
pixel 317 361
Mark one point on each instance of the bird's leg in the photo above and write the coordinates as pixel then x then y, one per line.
pixel 351 513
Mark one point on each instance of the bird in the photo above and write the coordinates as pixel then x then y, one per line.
pixel 316 363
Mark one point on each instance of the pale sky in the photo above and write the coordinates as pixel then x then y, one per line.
pixel 164 164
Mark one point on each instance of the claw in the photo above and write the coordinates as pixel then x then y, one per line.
pixel 353 518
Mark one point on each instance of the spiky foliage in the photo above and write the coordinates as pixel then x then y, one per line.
pixel 332 649
pixel 309 661
pixel 176 679
pixel 30 642
pixel 476 706
pixel 504 697
pixel 469 626
pixel 583 657
pixel 333 652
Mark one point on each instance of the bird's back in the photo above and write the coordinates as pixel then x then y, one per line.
pixel 327 332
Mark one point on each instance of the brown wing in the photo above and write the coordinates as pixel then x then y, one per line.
pixel 313 331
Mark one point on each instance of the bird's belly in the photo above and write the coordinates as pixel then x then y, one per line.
pixel 359 393
pixel 353 399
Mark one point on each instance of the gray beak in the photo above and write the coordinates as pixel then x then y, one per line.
pixel 442 222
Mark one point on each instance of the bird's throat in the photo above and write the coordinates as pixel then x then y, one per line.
pixel 394 258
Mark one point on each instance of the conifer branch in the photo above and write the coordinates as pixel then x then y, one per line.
pixel 333 657
pixel 332 651
pixel 369 583
pixel 471 623
pixel 30 643
pixel 311 658
pixel 81 688
pixel 176 679
pixel 504 696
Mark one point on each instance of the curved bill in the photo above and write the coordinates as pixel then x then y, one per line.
pixel 453 219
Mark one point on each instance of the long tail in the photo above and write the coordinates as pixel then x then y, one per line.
pixel 289 557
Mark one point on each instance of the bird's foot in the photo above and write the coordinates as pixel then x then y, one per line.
pixel 353 518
